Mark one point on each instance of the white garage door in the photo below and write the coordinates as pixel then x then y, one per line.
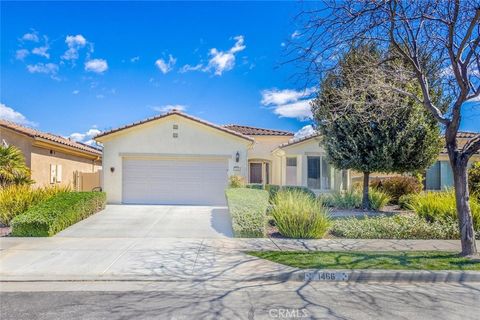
pixel 179 181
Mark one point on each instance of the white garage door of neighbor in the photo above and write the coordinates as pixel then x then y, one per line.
pixel 178 181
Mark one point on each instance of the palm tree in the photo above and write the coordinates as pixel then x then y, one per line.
pixel 13 169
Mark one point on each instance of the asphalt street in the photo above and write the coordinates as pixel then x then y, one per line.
pixel 237 300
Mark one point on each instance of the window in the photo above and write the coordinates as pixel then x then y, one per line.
pixel 319 173
pixel 432 178
pixel 313 168
pixel 291 174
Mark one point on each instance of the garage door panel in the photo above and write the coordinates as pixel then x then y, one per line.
pixel 190 181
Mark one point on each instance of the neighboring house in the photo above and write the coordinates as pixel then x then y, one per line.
pixel 52 159
pixel 440 175
pixel 175 158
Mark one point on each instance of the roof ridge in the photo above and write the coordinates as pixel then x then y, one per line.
pixel 252 127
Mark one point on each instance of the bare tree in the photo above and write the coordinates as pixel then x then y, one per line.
pixel 447 31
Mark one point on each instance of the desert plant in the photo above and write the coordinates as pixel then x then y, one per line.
pixel 16 199
pixel 57 213
pixel 236 181
pixel 248 209
pixel 378 199
pixel 440 206
pixel 298 215
pixel 396 187
pixel 350 199
pixel 13 169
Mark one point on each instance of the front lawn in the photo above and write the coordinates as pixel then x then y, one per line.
pixel 413 260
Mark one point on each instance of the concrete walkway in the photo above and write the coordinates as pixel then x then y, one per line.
pixel 63 258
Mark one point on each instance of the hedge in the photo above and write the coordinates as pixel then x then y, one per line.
pixel 57 213
pixel 248 209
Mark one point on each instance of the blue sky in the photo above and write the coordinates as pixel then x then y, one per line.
pixel 74 68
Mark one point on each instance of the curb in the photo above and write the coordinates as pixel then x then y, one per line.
pixel 308 275
pixel 394 276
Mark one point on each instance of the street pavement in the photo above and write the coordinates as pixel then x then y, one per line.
pixel 238 300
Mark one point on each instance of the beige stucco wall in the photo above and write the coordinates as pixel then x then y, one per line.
pixel 42 159
pixel 262 150
pixel 22 142
pixel 155 139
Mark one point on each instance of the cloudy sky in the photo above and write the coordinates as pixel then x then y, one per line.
pixel 77 68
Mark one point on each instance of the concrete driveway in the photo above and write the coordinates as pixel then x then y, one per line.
pixel 149 221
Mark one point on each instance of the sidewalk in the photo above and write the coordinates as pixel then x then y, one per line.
pixel 171 259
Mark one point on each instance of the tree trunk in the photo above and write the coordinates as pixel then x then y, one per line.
pixel 462 197
pixel 366 199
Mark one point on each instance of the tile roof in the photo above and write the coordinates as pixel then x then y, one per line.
pixel 254 131
pixel 48 136
pixel 467 134
pixel 298 140
pixel 179 113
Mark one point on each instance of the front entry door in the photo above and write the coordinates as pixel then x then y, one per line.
pixel 256 173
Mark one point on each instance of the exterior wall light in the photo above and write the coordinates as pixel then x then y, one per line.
pixel 237 157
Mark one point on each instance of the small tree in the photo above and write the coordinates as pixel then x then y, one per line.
pixel 367 127
pixel 13 169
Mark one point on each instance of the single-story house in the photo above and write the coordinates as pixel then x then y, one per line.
pixel 52 159
pixel 175 158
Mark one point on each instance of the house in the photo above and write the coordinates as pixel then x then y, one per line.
pixel 175 158
pixel 440 175
pixel 52 159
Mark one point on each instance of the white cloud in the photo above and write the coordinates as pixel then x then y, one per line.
pixel 7 113
pixel 100 96
pixel 31 36
pixel 75 91
pixel 21 54
pixel 188 67
pixel 96 65
pixel 42 51
pixel 283 44
pixel 47 68
pixel 275 96
pixel 74 43
pixel 170 107
pixel 164 65
pixel 221 61
pixel 304 132
pixel 135 59
pixel 300 110
pixel 86 137
pixel 289 103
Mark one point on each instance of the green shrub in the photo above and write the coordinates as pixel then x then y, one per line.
pixel 236 181
pixel 57 213
pixel 298 215
pixel 474 179
pixel 378 199
pixel 16 199
pixel 396 187
pixel 397 227
pixel 248 209
pixel 350 199
pixel 441 206
pixel 274 188
pixel 405 201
